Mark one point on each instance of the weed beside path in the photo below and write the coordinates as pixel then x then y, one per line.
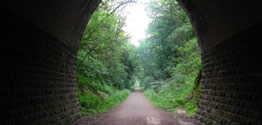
pixel 171 101
pixel 91 103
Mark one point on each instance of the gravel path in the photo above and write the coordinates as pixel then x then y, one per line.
pixel 136 110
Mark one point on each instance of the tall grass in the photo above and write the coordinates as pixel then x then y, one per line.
pixel 178 90
pixel 173 96
pixel 91 103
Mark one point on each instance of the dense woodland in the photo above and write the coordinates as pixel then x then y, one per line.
pixel 170 58
pixel 165 66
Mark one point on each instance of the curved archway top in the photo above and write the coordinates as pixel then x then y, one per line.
pixel 217 21
pixel 65 20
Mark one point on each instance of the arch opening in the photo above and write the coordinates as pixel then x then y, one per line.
pixel 160 71
pixel 39 51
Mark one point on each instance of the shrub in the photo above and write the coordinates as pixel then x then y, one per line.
pixel 91 103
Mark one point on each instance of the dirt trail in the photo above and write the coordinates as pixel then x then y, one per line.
pixel 136 110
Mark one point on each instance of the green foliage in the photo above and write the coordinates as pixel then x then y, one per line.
pixel 88 100
pixel 110 90
pixel 169 58
pixel 91 103
pixel 86 82
pixel 132 88
pixel 172 96
pixel 106 56
pixel 105 61
pixel 166 63
pixel 175 91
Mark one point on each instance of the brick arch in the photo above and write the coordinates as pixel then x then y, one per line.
pixel 229 36
pixel 39 45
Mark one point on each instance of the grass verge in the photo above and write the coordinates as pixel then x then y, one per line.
pixel 91 103
pixel 173 97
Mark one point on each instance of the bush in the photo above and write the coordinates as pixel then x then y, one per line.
pixel 109 89
pixel 171 96
pixel 84 82
pixel 175 91
pixel 91 103
pixel 132 88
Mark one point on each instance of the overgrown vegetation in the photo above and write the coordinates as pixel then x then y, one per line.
pixel 105 66
pixel 170 58
pixel 166 64
pixel 92 103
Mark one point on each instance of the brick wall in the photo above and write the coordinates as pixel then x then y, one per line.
pixel 38 58
pixel 38 81
pixel 39 43
pixel 232 77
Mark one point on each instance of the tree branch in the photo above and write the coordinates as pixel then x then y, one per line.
pixel 121 4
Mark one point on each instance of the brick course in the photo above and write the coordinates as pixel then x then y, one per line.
pixel 38 85
pixel 232 80
pixel 38 55
pixel 39 44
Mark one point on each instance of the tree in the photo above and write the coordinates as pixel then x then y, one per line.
pixel 103 57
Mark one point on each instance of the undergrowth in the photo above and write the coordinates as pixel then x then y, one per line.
pixel 91 103
pixel 172 97
pixel 182 88
pixel 97 98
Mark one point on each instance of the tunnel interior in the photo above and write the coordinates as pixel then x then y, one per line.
pixel 40 40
